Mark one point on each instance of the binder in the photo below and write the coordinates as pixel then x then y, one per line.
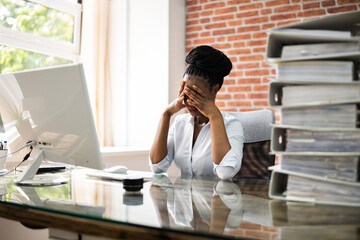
pixel 279 185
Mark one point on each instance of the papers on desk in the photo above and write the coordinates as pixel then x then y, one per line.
pixel 119 176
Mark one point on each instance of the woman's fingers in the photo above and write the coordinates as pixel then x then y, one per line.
pixel 199 91
pixel 192 94
pixel 182 86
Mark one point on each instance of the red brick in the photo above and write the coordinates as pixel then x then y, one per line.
pixel 267 26
pixel 247 14
pixel 235 23
pixel 221 39
pixel 194 9
pixel 236 74
pixel 251 6
pixel 266 11
pixel 291 8
pixel 251 58
pixel 261 88
pixel 247 65
pixel 192 15
pixel 214 5
pixel 194 29
pixel 276 3
pixel 206 13
pixel 261 103
pixel 236 2
pixel 260 35
pixel 258 95
pixel 239 51
pixel 204 41
pixel 203 1
pixel 215 25
pixel 249 81
pixel 205 20
pixel 205 34
pixel 312 13
pixel 311 5
pixel 239 103
pixel 228 109
pixel 225 10
pixel 248 29
pixel 233 59
pixel 220 104
pixel 239 37
pixel 259 50
pixel 256 43
pixel 222 46
pixel 229 82
pixel 192 35
pixel 265 64
pixel 191 2
pixel 224 17
pixel 239 44
pixel 192 22
pixel 224 32
pixel 328 3
pixel 240 96
pixel 341 9
pixel 239 89
pixel 342 2
pixel 256 20
pixel 223 96
pixel 287 22
pixel 260 72
pixel 282 17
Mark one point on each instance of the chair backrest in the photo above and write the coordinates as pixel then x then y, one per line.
pixel 256 124
pixel 257 131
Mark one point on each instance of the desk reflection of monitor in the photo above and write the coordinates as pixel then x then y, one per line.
pixel 51 107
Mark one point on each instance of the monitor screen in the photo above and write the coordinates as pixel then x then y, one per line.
pixel 51 106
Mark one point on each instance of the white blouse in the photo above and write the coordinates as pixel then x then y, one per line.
pixel 196 160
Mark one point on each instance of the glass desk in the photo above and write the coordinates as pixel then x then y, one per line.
pixel 173 208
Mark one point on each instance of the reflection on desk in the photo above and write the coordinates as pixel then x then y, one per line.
pixel 175 207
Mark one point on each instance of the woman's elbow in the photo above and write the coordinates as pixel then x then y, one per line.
pixel 225 173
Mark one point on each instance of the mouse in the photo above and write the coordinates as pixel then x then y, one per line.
pixel 116 169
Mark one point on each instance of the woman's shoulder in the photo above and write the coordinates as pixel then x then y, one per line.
pixel 230 117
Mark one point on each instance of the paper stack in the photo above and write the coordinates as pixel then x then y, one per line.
pixel 318 93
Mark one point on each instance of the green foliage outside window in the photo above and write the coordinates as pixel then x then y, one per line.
pixel 36 19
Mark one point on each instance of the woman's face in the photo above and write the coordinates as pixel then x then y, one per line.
pixel 201 83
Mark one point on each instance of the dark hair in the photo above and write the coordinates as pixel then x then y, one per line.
pixel 208 62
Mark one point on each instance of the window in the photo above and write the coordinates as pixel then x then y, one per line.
pixel 38 33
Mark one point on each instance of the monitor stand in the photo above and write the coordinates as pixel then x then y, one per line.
pixel 28 176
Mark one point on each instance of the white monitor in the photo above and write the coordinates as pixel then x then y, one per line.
pixel 51 107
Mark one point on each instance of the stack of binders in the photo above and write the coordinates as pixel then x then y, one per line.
pixel 317 92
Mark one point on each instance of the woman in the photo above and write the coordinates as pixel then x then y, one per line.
pixel 204 142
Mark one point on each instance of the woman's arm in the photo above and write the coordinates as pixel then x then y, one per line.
pixel 158 150
pixel 220 144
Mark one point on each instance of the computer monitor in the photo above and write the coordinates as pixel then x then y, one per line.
pixel 50 107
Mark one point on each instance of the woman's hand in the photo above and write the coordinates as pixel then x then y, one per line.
pixel 178 103
pixel 201 101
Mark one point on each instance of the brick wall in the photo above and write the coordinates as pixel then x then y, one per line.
pixel 240 28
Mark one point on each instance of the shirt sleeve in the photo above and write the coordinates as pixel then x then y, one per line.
pixel 164 164
pixel 231 163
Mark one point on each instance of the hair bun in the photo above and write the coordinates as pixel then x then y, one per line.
pixel 210 60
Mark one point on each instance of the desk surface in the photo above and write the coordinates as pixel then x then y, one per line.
pixel 173 208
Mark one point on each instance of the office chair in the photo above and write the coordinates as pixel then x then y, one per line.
pixel 257 132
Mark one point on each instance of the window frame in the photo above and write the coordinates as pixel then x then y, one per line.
pixel 45 45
